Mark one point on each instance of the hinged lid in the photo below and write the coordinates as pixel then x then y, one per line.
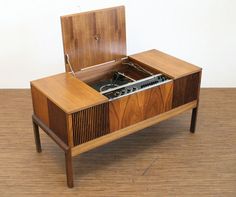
pixel 94 37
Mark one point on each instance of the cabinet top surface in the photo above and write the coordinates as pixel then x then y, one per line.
pixel 94 37
pixel 71 94
pixel 165 63
pixel 68 92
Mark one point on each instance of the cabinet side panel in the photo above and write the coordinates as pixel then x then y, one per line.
pixel 90 123
pixel 186 89
pixel 57 121
pixel 137 107
pixel 40 105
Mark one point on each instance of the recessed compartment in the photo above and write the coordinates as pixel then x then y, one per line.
pixel 119 79
pixel 95 52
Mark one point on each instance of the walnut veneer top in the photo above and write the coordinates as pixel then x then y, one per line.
pixel 165 63
pixel 68 92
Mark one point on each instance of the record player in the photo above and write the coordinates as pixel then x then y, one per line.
pixel 106 94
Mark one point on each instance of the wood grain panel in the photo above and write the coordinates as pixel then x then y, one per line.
pixel 131 129
pixel 57 121
pixel 94 37
pixel 40 105
pixel 131 109
pixel 186 89
pixel 165 63
pixel 68 92
pixel 90 123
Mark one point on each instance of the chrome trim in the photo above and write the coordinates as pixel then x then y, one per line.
pixel 68 61
pixel 96 65
pixel 148 87
pixel 131 83
pixel 138 67
pixel 124 75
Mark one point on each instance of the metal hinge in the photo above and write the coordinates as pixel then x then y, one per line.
pixel 120 59
pixel 67 58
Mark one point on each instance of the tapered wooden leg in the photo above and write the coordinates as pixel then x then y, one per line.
pixel 37 137
pixel 194 120
pixel 69 169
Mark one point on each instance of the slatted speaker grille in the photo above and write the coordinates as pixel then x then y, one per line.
pixel 90 123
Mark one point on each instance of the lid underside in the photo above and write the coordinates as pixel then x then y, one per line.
pixel 94 37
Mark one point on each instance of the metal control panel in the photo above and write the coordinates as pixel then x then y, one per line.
pixel 136 86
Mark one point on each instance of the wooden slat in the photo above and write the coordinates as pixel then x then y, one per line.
pixel 90 123
pixel 57 121
pixel 165 63
pixel 131 129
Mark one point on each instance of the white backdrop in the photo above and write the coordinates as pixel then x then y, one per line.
pixel 202 32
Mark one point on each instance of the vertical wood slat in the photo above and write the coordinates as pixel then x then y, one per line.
pixel 58 121
pixel 87 129
pixel 80 134
pixel 90 123
pixel 69 130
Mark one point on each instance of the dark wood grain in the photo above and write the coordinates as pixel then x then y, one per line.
pixel 132 129
pixel 195 110
pixel 94 37
pixel 57 121
pixel 37 137
pixel 69 169
pixel 90 123
pixel 131 109
pixel 50 133
pixel 186 89
pixel 193 120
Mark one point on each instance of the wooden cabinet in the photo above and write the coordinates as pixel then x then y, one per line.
pixel 78 117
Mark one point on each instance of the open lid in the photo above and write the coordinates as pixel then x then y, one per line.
pixel 94 37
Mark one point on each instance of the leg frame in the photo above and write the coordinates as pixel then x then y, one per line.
pixel 37 137
pixel 68 157
pixel 69 169
pixel 193 120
